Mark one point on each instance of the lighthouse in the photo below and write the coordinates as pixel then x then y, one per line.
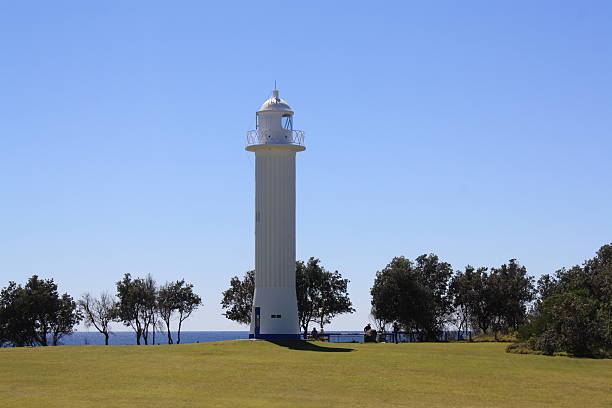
pixel 275 143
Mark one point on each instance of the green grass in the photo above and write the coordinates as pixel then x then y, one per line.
pixel 263 374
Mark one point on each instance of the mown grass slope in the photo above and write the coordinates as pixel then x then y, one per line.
pixel 263 374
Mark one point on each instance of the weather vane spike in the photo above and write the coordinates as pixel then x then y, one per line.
pixel 275 84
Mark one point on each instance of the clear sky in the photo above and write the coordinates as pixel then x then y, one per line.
pixel 480 131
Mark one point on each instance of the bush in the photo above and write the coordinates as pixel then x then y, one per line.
pixel 490 337
pixel 574 312
pixel 521 348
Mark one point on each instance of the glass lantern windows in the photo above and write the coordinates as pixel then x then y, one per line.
pixel 287 122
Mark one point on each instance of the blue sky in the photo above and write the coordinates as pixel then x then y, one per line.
pixel 479 131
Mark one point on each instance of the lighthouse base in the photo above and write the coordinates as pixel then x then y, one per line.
pixel 275 315
pixel 275 336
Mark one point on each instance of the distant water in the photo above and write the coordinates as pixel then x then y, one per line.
pixel 128 338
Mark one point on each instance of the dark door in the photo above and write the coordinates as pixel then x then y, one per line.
pixel 257 320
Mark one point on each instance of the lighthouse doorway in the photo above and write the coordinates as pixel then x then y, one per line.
pixel 257 320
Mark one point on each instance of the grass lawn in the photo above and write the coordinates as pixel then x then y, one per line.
pixel 263 374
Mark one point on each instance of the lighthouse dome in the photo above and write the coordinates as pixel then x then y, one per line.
pixel 275 104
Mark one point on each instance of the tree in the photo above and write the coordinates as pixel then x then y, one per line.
pixel 65 318
pixel 17 325
pixel 435 276
pixel 466 298
pixel 167 301
pixel 387 291
pixel 137 299
pixel 36 314
pixel 334 299
pixel 187 302
pixel 99 312
pixel 307 291
pixel 413 295
pixel 321 295
pixel 482 296
pixel 573 312
pixel 238 299
pixel 511 290
pixel 149 299
pixel 495 301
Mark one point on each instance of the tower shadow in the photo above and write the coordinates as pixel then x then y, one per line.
pixel 303 345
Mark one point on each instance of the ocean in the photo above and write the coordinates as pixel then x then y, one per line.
pixel 129 338
pixel 93 338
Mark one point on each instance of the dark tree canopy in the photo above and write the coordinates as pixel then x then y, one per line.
pixel 512 290
pixel 334 298
pixel 36 314
pixel 466 291
pixel 574 310
pixel 186 303
pixel 413 295
pixel 497 300
pixel 168 302
pixel 238 299
pixel 137 303
pixel 321 295
pixel 308 292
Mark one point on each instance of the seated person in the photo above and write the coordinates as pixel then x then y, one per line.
pixel 314 334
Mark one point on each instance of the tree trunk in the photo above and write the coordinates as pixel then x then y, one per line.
pixel 106 338
pixel 178 334
pixel 168 328
pixel 43 338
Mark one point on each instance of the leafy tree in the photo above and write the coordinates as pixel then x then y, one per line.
pixel 497 300
pixel 574 310
pixel 466 298
pixel 150 316
pixel 413 295
pixel 65 317
pixel 35 313
pixel 511 291
pixel 321 295
pixel 238 299
pixel 167 303
pixel 99 312
pixel 187 303
pixel 572 324
pixel 334 298
pixel 308 293
pixel 482 297
pixel 137 299
pixel 17 325
pixel 435 276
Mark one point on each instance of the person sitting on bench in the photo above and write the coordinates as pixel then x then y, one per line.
pixel 314 334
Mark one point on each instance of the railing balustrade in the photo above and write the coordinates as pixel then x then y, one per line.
pixel 258 137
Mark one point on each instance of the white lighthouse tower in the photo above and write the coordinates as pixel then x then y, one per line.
pixel 275 144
